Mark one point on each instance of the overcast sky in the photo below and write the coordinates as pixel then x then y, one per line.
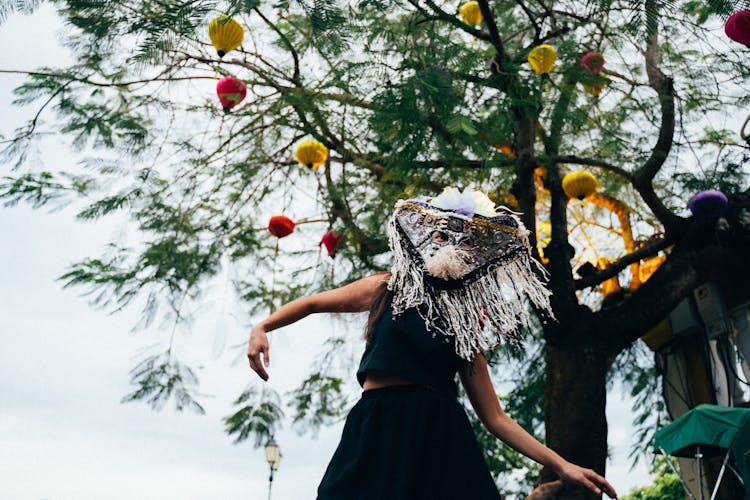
pixel 64 365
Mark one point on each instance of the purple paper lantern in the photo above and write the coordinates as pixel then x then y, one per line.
pixel 709 204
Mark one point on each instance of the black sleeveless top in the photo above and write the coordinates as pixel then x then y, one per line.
pixel 403 346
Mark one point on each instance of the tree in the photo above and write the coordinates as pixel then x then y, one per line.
pixel 408 98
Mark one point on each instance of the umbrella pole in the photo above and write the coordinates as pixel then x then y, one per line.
pixel 721 473
pixel 736 474
pixel 671 466
pixel 698 456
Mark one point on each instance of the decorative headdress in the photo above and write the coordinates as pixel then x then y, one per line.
pixel 465 267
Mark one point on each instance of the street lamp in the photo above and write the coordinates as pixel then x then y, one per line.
pixel 273 455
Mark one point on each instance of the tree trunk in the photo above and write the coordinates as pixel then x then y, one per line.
pixel 575 403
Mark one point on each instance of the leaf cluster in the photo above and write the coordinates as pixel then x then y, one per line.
pixel 160 378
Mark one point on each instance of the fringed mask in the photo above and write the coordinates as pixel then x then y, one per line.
pixel 466 268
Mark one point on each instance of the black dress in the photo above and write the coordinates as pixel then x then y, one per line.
pixel 408 441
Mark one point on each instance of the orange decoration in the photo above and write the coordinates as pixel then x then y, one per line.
pixel 507 149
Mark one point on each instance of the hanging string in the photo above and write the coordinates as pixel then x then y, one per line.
pixel 273 278
pixel 217 76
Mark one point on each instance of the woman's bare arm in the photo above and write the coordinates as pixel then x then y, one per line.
pixel 354 297
pixel 478 386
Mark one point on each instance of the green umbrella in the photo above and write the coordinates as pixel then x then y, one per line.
pixel 713 429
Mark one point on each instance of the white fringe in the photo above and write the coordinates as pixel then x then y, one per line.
pixel 480 314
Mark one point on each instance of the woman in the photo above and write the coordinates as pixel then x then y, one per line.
pixel 460 273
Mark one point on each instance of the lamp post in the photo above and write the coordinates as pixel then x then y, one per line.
pixel 273 455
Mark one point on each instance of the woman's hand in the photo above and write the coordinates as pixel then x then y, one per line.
pixel 571 473
pixel 258 344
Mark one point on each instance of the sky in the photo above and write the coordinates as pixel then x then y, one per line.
pixel 64 435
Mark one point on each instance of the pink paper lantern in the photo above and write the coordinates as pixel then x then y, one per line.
pixel 593 62
pixel 738 27
pixel 231 92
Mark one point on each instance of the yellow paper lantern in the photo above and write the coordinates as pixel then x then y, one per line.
pixel 542 58
pixel 311 154
pixel 226 34
pixel 470 13
pixel 579 184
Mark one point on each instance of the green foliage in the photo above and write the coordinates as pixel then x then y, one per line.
pixel 727 175
pixel 258 416
pixel 35 189
pixel 320 399
pixel 159 378
pixel 26 7
pixel 666 485
pixel 636 370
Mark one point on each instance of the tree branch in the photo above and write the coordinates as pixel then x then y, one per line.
pixel 653 301
pixel 577 160
pixel 643 178
pixel 32 125
pixel 489 20
pixel 532 19
pixel 450 19
pixel 620 264
pixel 295 57
pixel 106 84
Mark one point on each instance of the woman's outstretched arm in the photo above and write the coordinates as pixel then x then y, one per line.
pixel 478 386
pixel 354 297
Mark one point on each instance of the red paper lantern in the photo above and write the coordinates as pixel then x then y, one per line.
pixel 231 92
pixel 738 27
pixel 280 226
pixel 593 62
pixel 331 241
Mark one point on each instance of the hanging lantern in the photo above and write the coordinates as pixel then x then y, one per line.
pixel 231 92
pixel 709 204
pixel 311 154
pixel 470 13
pixel 594 88
pixel 331 241
pixel 593 62
pixel 542 58
pixel 226 34
pixel 280 226
pixel 738 27
pixel 579 184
